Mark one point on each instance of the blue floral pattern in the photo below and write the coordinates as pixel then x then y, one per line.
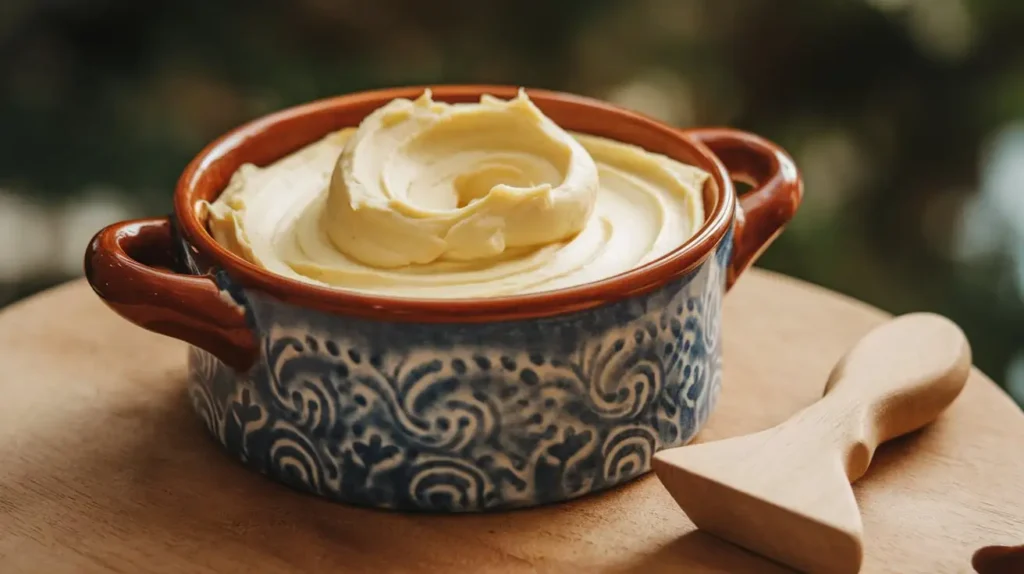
pixel 468 417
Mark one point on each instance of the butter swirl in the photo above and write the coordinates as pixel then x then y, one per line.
pixel 434 200
pixel 422 181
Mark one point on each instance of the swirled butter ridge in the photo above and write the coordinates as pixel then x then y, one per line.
pixel 433 200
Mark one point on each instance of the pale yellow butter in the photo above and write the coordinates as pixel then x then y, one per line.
pixel 432 200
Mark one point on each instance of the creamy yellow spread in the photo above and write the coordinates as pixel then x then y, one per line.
pixel 433 200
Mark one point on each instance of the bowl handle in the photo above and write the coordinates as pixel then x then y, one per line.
pixel 775 194
pixel 127 264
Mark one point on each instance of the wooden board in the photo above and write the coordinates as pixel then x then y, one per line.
pixel 105 468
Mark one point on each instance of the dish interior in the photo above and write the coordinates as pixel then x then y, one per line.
pixel 274 136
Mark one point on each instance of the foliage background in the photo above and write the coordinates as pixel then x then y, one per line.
pixel 906 116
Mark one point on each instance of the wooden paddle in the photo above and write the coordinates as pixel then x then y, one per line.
pixel 785 492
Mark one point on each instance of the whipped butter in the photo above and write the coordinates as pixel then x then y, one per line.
pixel 432 200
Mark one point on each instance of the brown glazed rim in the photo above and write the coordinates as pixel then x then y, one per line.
pixel 274 136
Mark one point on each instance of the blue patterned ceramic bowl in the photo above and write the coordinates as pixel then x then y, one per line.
pixel 465 405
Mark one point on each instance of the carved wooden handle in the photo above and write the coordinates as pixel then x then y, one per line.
pixel 775 195
pixel 124 265
pixel 783 492
pixel 897 379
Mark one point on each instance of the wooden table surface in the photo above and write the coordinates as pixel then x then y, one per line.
pixel 105 468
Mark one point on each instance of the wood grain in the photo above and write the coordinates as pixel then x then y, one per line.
pixel 784 492
pixel 105 469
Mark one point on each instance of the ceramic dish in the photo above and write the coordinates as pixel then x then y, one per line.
pixel 448 405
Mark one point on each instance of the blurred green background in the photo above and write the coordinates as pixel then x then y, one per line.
pixel 906 116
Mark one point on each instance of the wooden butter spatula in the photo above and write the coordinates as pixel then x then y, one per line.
pixel 785 492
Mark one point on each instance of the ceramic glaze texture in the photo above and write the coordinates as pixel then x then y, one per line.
pixel 468 417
